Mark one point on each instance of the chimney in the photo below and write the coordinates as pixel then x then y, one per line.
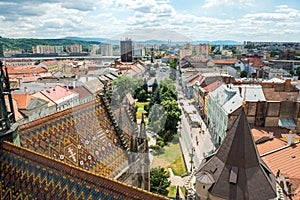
pixel 74 84
pixel 240 90
pixel 271 135
pixel 291 138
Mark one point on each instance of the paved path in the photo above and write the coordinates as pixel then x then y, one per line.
pixel 177 181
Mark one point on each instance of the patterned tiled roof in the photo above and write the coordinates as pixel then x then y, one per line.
pixel 83 136
pixel 26 174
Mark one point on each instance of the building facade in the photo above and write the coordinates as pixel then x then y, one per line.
pixel 106 49
pixel 202 49
pixel 74 48
pixel 126 50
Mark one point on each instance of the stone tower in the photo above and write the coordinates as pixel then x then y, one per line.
pixel 8 125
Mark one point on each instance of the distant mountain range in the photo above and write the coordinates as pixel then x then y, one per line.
pixel 153 36
pixel 25 44
pixel 117 42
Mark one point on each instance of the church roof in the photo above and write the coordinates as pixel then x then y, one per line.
pixel 83 136
pixel 237 169
pixel 26 174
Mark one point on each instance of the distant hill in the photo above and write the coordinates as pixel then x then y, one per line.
pixel 26 43
pixel 86 39
pixel 220 42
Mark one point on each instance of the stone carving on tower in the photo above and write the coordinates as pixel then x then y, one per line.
pixel 8 124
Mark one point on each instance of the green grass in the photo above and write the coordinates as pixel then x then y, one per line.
pixel 171 157
pixel 172 191
pixel 140 109
pixel 182 190
pixel 178 166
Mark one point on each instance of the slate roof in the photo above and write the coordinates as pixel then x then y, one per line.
pixel 26 174
pixel 237 169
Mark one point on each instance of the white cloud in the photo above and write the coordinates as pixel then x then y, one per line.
pixel 214 3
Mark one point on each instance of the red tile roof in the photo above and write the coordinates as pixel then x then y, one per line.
pixel 225 62
pixel 269 145
pixel 213 86
pixel 25 70
pixel 288 162
pixel 22 100
pixel 256 62
pixel 56 93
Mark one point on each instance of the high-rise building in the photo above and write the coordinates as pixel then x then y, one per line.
pixel 47 49
pixel 139 50
pixel 94 49
pixel 202 49
pixel 1 49
pixel 74 48
pixel 126 50
pixel 106 49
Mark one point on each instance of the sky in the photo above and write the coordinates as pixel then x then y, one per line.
pixel 239 20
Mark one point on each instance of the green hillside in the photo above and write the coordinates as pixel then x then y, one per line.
pixel 26 43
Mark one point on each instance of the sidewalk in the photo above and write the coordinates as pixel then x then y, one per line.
pixel 177 181
pixel 198 139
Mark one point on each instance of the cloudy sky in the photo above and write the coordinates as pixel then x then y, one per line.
pixel 255 20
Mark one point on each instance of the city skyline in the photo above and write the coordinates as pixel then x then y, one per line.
pixel 237 20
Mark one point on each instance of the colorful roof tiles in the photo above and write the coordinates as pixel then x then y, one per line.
pixel 83 136
pixel 26 174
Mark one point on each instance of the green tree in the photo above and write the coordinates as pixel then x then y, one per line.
pixel 155 98
pixel 122 86
pixel 159 181
pixel 173 113
pixel 154 86
pixel 152 73
pixel 168 90
pixel 141 95
pixel 173 63
pixel 145 86
pixel 244 74
pixel 157 118
pixel 173 74
pixel 298 72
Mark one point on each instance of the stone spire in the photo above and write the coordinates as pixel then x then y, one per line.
pixel 236 170
pixel 8 125
pixel 142 133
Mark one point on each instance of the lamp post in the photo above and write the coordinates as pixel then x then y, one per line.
pixel 192 156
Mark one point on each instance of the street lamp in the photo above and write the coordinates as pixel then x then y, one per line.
pixel 192 156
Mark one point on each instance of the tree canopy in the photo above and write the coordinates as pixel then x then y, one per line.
pixel 159 181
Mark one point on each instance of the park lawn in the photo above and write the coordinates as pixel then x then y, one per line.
pixel 172 191
pixel 171 157
pixel 182 190
pixel 140 109
pixel 178 166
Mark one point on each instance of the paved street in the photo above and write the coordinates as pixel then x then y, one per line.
pixel 196 139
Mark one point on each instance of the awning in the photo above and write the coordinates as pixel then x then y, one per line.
pixel 286 122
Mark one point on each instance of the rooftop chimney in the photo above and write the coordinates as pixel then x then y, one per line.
pixel 291 138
